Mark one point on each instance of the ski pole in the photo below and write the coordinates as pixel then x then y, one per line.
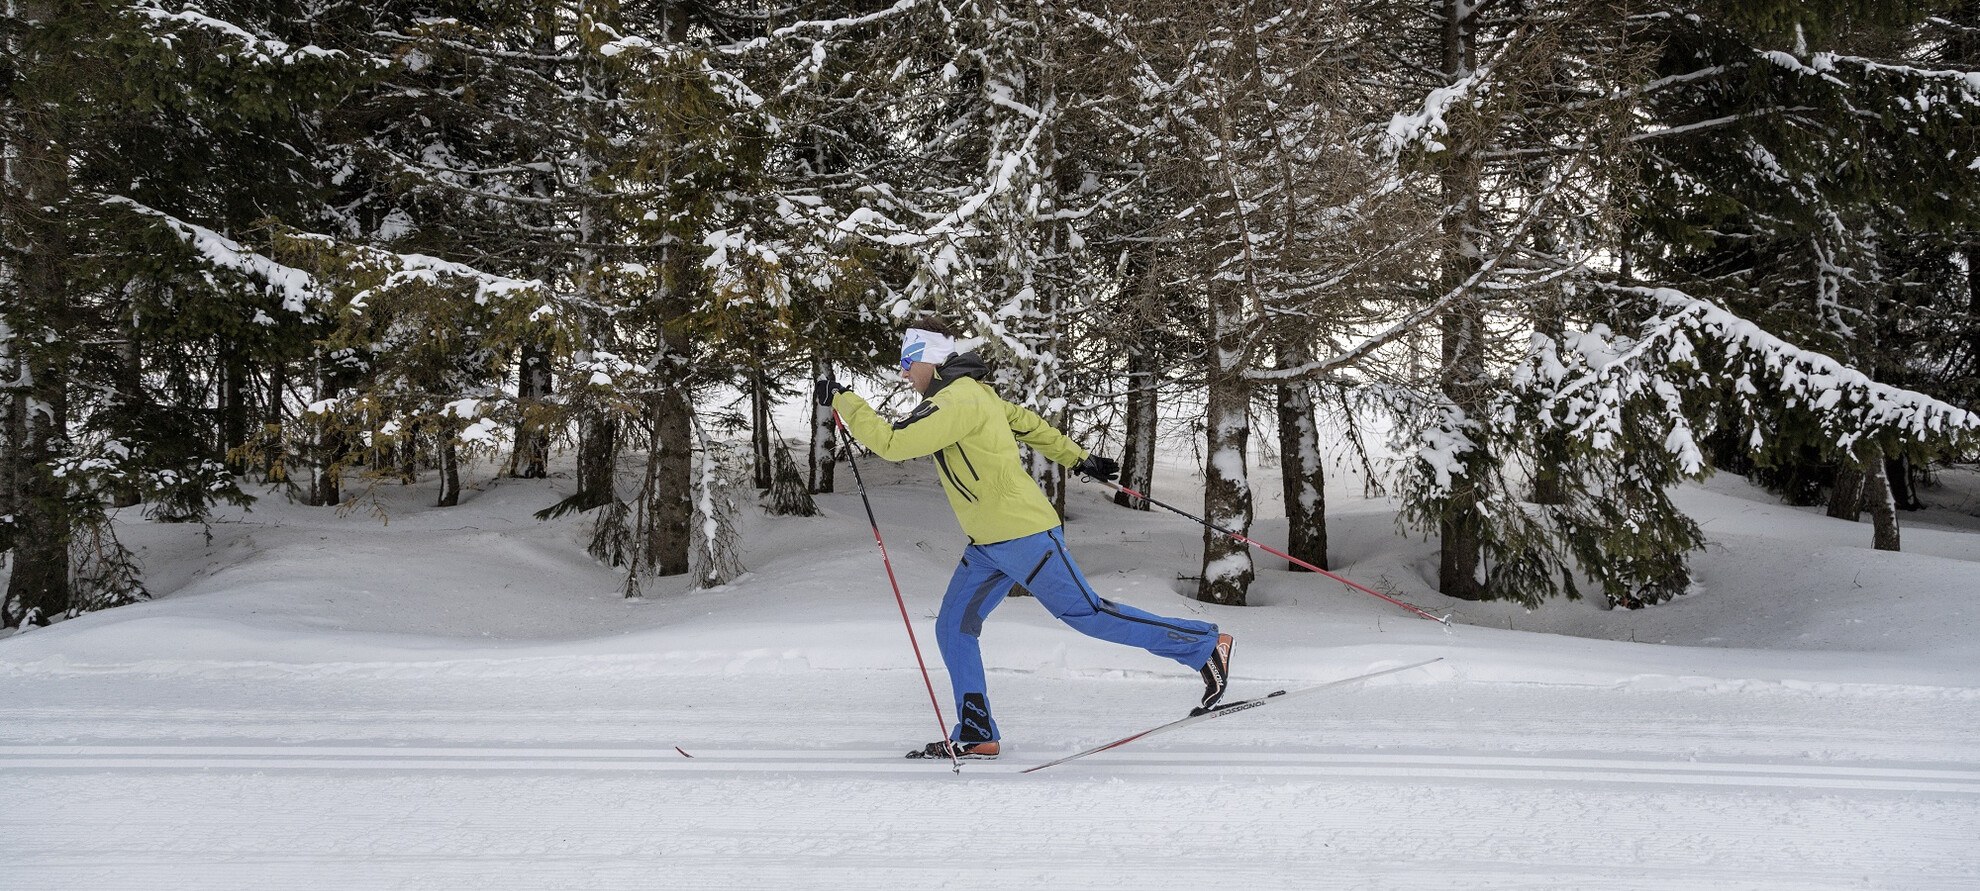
pixel 1443 620
pixel 940 720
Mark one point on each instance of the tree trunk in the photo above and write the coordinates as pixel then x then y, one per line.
pixel 130 393
pixel 34 189
pixel 598 455
pixel 39 588
pixel 273 445
pixel 1551 445
pixel 824 439
pixel 1846 499
pixel 12 437
pixel 403 453
pixel 1303 475
pixel 1227 566
pixel 450 467
pixel 327 491
pixel 1903 488
pixel 1973 307
pixel 761 467
pixel 1138 456
pixel 232 432
pixel 330 444
pixel 532 452
pixel 1460 530
pixel 669 505
pixel 1883 503
pixel 1461 535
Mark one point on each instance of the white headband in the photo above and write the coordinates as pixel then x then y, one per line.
pixel 926 346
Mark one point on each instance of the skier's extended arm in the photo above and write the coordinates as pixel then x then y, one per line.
pixel 927 430
pixel 1033 431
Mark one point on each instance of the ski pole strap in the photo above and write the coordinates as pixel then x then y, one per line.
pixel 1241 539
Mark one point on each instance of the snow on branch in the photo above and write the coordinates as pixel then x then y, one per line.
pixel 1428 125
pixel 299 288
pixel 824 26
pixel 871 224
pixel 1849 401
pixel 261 50
pixel 726 85
pixel 1489 274
pixel 411 268
pixel 296 287
pixel 1823 64
pixel 1591 382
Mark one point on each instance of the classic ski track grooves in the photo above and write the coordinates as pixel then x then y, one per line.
pixel 1950 779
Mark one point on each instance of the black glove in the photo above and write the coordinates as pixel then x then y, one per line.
pixel 826 388
pixel 1098 467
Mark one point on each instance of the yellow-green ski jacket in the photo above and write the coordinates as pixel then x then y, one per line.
pixel 973 435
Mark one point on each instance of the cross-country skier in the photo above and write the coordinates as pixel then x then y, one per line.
pixel 1014 533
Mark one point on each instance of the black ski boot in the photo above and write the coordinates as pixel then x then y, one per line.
pixel 1216 675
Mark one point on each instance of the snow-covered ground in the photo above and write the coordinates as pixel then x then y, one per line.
pixel 460 699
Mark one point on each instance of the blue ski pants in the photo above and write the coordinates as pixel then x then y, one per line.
pixel 1040 562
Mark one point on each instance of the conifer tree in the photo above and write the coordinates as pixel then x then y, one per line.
pixel 1809 174
pixel 140 137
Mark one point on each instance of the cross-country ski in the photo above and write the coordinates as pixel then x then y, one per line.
pixel 1227 709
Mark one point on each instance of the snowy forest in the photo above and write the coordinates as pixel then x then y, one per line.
pixel 1538 261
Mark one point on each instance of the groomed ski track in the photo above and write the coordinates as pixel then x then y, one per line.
pixel 1316 765
pixel 236 777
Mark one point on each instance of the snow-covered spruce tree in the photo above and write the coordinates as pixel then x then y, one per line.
pixel 587 148
pixel 1619 382
pixel 464 149
pixel 1524 126
pixel 431 367
pixel 1142 322
pixel 686 142
pixel 1952 40
pixel 148 132
pixel 714 547
pixel 476 146
pixel 1026 286
pixel 39 307
pixel 1810 169
pixel 1657 381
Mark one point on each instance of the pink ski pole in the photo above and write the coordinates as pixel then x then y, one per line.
pixel 1443 620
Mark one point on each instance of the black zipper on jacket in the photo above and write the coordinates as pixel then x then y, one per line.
pixel 966 463
pixel 953 479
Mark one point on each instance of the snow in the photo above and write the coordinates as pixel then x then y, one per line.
pixel 257 49
pixel 1427 126
pixel 459 698
pixel 297 288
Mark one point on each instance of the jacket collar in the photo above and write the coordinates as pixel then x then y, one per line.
pixel 959 366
